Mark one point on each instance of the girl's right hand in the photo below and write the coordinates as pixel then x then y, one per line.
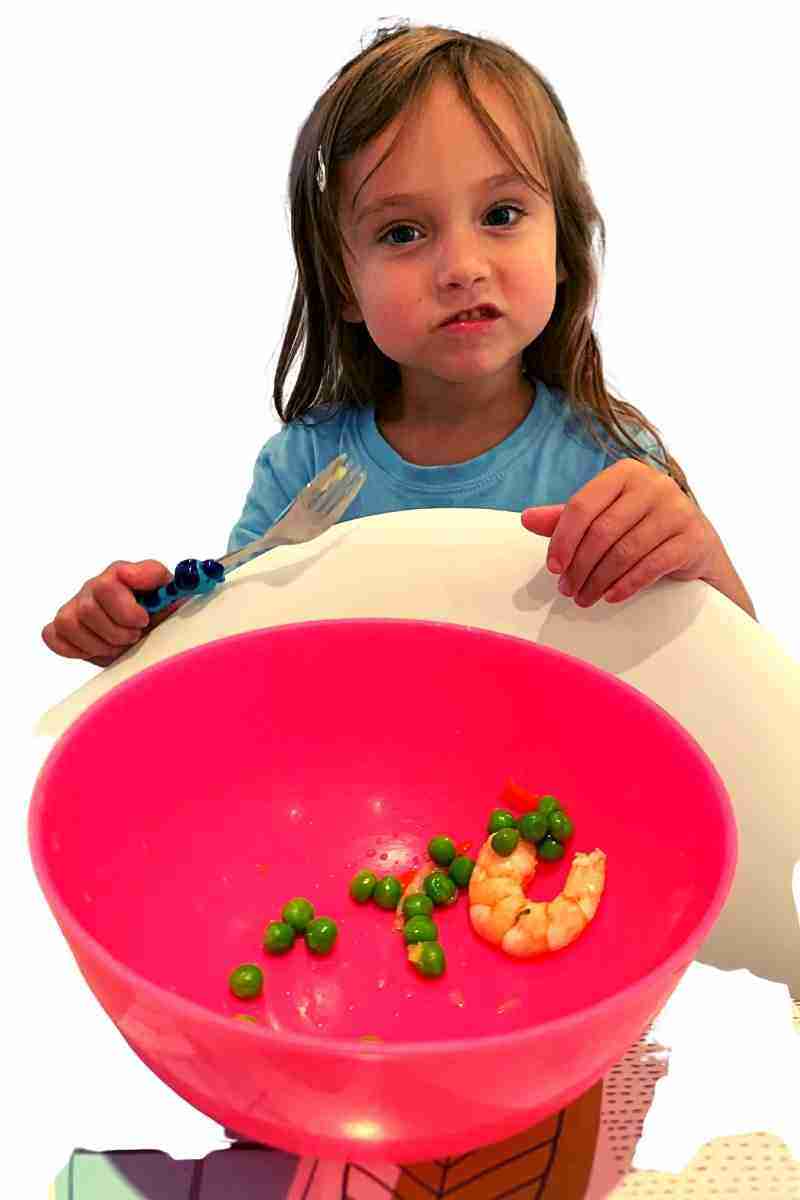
pixel 104 619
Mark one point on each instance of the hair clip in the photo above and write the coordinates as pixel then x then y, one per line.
pixel 322 177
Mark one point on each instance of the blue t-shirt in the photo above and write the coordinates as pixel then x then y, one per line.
pixel 545 460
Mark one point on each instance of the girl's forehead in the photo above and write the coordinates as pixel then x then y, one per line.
pixel 441 123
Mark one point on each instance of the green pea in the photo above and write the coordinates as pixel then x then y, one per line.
pixel 533 826
pixel 501 818
pixel 428 958
pixel 420 929
pixel 440 888
pixel 246 981
pixel 417 904
pixel 548 804
pixel 550 849
pixel 505 841
pixel 387 892
pixel 278 937
pixel 362 886
pixel 321 934
pixel 442 850
pixel 461 869
pixel 298 913
pixel 559 826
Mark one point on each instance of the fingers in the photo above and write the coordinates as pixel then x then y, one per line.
pixel 619 539
pixel 542 519
pixel 671 555
pixel 581 513
pixel 104 619
pixel 82 629
pixel 608 527
pixel 142 576
pixel 83 647
pixel 625 529
pixel 654 547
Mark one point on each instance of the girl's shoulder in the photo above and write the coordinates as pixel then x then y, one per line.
pixel 286 462
pixel 567 422
pixel 577 426
pixel 303 446
pixel 321 427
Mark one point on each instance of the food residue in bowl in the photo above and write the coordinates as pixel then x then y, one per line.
pixel 507 1005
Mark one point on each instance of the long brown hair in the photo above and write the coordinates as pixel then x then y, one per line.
pixel 341 365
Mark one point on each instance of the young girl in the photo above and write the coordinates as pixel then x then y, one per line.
pixel 397 184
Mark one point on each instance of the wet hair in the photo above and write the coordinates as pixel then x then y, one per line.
pixel 341 366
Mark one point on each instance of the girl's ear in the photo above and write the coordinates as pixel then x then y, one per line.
pixel 562 274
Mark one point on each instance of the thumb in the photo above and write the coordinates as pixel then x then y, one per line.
pixel 144 575
pixel 542 519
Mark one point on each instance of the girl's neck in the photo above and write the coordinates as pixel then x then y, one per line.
pixel 428 435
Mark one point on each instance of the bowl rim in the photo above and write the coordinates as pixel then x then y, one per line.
pixel 330 1045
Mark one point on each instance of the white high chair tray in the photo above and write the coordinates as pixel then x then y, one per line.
pixel 686 646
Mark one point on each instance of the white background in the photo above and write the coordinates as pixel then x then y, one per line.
pixel 145 282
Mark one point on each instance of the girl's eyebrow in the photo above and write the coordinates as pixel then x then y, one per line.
pixel 402 198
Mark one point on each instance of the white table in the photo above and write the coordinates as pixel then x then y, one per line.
pixel 683 644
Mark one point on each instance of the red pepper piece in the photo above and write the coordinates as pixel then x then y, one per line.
pixel 514 796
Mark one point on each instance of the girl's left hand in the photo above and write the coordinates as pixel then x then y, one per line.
pixel 623 530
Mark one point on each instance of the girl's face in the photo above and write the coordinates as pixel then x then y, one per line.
pixel 458 244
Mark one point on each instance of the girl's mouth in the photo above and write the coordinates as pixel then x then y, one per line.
pixel 480 326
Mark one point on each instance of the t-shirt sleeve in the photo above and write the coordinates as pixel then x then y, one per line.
pixel 284 465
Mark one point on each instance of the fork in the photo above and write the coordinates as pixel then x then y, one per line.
pixel 314 509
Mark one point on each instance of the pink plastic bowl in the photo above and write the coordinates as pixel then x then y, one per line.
pixel 180 812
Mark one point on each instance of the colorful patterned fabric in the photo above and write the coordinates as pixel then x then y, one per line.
pixel 552 1161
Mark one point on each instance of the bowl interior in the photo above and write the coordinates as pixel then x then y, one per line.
pixel 180 812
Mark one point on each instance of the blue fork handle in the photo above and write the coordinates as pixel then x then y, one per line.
pixel 192 578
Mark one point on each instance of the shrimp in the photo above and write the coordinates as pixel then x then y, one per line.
pixel 496 889
pixel 550 925
pixel 501 913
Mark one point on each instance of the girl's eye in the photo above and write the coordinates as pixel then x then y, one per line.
pixel 497 208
